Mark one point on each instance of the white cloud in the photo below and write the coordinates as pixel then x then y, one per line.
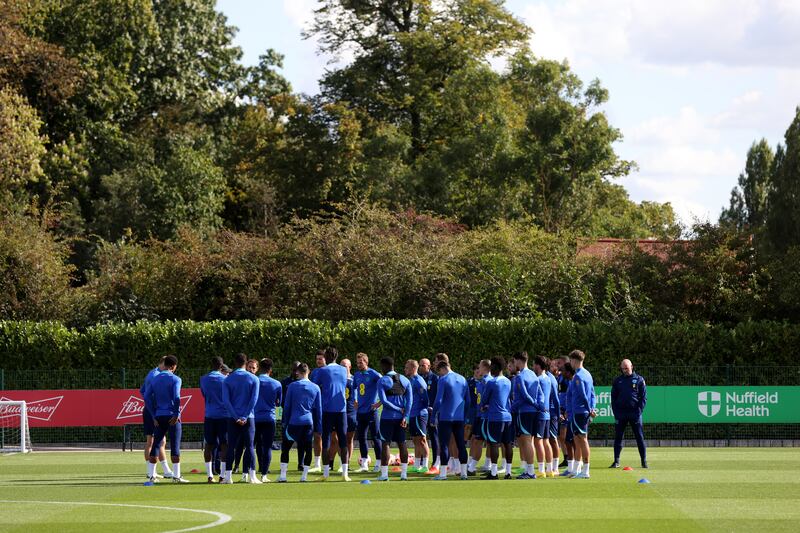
pixel 300 12
pixel 753 33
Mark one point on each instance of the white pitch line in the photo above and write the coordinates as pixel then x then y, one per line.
pixel 222 518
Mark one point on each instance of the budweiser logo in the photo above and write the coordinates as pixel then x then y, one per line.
pixel 37 409
pixel 133 407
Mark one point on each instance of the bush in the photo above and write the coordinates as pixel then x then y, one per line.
pixel 49 345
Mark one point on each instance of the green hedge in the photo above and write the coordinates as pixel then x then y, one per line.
pixel 49 345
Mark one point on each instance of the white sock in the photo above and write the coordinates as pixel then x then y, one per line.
pixel 176 470
pixel 151 469
pixel 586 468
pixel 417 462
pixel 317 461
pixel 548 467
pixel 228 474
pixel 579 467
pixel 165 467
pixel 424 463
pixel 571 465
pixel 555 464
pixel 403 470
pixel 384 471
pixel 530 469
pixel 502 464
pixel 487 463
pixel 253 475
pixel 541 467
pixel 345 468
pixel 326 470
pixel 222 466
pixel 147 467
pixel 378 463
pixel 443 471
pixel 209 470
pixel 463 470
pixel 304 475
pixel 493 468
pixel 508 468
pixel 524 465
pixel 437 463
pixel 284 468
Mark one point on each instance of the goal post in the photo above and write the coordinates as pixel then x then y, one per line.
pixel 15 435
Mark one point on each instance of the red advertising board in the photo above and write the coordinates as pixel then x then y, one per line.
pixel 69 408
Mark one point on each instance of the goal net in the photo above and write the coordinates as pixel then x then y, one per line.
pixel 15 435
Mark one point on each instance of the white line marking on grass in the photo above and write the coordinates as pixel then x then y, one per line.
pixel 222 518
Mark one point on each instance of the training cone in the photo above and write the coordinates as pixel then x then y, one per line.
pixel 644 480
pixel 194 471
pixel 148 483
pixel 365 482
pixel 395 469
pixel 627 468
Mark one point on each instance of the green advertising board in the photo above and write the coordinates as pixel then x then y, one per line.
pixel 712 405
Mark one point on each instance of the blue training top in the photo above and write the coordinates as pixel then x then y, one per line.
pixel 350 396
pixel 240 393
pixel 269 397
pixel 528 395
pixel 419 391
pixel 211 387
pixel 581 398
pixel 365 383
pixel 480 387
pixel 555 404
pixel 543 411
pixel 147 378
pixel 471 412
pixel 495 399
pixel 303 405
pixel 162 396
pixel 332 382
pixel 395 406
pixel 452 398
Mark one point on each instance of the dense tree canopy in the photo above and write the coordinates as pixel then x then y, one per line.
pixel 130 124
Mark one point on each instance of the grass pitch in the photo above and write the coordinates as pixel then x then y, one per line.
pixel 691 489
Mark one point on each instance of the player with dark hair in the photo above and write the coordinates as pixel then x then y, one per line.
pixel 162 397
pixel 302 417
pixel 528 397
pixel 418 418
pixel 394 394
pixel 582 402
pixel 215 421
pixel 332 381
pixel 269 398
pixel 452 401
pixel 319 361
pixel 350 396
pixel 150 428
pixel 482 374
pixel 494 403
pixel 555 412
pixel 431 380
pixel 240 394
pixel 365 384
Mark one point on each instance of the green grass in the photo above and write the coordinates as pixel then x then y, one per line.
pixel 691 489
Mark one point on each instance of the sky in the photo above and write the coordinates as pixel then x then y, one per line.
pixel 692 82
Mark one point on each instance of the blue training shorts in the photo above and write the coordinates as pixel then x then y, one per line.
pixel 418 425
pixel 580 424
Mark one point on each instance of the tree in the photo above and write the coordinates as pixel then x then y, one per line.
pixel 21 148
pixel 405 53
pixel 566 144
pixel 783 219
pixel 748 206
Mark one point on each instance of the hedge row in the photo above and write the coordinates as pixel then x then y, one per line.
pixel 50 345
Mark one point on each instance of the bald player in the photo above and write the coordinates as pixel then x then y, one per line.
pixel 628 398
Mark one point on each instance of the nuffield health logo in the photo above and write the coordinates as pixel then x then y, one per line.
pixel 709 403
pixel 746 404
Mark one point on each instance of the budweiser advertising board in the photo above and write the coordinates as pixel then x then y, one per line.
pixel 70 408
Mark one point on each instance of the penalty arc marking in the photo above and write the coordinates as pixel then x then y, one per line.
pixel 222 518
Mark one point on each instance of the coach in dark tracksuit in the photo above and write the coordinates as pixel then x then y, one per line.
pixel 628 398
